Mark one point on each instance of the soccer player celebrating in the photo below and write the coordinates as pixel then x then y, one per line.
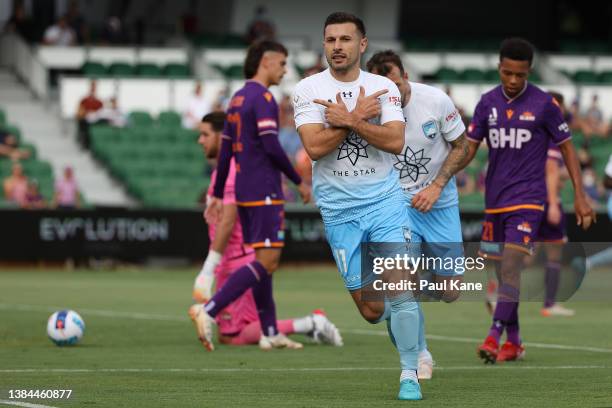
pixel 238 323
pixel 251 137
pixel 349 136
pixel 518 120
pixel 435 147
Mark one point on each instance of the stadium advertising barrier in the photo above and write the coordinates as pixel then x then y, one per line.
pixel 135 235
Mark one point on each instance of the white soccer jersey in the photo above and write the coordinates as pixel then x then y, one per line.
pixel 356 177
pixel 432 121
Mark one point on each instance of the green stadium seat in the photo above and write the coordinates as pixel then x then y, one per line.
pixel 31 148
pixel 234 72
pixel 571 47
pixel 177 71
pixel 140 119
pixel 584 76
pixel 37 169
pixel 447 75
pixel 534 76
pixel 169 119
pixel 94 69
pixel 605 77
pixel 473 75
pixel 472 201
pixel 148 70
pixel 2 117
pixel 13 130
pixel 121 69
pixel 491 75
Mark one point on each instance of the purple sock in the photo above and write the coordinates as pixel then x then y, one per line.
pixel 553 269
pixel 239 282
pixel 266 308
pixel 503 313
pixel 512 328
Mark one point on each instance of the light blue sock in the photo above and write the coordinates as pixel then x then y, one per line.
pixel 422 340
pixel 404 323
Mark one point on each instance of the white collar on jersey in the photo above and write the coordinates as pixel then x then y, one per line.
pixel 509 99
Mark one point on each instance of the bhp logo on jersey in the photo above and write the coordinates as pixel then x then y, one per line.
pixel 513 138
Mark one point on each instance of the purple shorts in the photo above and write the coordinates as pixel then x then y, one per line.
pixel 263 226
pixel 517 228
pixel 550 232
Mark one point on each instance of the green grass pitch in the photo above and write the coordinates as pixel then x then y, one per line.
pixel 140 349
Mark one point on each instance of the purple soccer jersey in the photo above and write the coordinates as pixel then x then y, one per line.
pixel 253 115
pixel 518 132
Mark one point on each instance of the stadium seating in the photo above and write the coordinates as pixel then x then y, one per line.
pixel 34 168
pixel 126 70
pixel 159 162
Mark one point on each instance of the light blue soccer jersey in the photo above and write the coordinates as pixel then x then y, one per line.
pixel 356 178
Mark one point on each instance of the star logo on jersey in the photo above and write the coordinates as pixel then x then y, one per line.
pixel 353 148
pixel 411 164
pixel 509 113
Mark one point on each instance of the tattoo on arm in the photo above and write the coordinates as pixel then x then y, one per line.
pixel 454 160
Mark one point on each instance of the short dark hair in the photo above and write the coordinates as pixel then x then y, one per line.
pixel 216 120
pixel 557 97
pixel 517 49
pixel 340 17
pixel 256 52
pixel 382 62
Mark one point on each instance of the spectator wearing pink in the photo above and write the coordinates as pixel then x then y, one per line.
pixel 16 186
pixel 66 191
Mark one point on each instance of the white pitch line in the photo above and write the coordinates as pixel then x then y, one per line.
pixel 518 366
pixel 477 341
pixel 174 318
pixel 24 404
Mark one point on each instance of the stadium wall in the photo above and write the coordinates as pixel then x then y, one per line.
pixel 137 235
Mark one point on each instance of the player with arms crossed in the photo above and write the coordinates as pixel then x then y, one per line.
pixel 518 120
pixel 435 147
pixel 349 136
pixel 238 323
pixel 251 137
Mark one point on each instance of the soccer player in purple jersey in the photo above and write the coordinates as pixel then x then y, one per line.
pixel 552 232
pixel 250 136
pixel 518 120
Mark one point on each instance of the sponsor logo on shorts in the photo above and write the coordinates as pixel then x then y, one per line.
pixel 525 227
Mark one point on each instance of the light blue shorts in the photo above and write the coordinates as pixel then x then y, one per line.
pixel 389 225
pixel 439 231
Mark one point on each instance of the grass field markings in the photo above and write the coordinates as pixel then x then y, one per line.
pixel 367 332
pixel 518 366
pixel 24 404
pixel 477 341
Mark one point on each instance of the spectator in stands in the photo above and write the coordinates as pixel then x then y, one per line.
pixel 222 101
pixel 9 147
pixel 260 28
pixel 111 114
pixel 88 113
pixel 114 32
pixel 60 33
pixel 20 24
pixel 66 192
pixel 594 118
pixel 76 21
pixel 197 107
pixel 287 135
pixel 16 185
pixel 33 199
